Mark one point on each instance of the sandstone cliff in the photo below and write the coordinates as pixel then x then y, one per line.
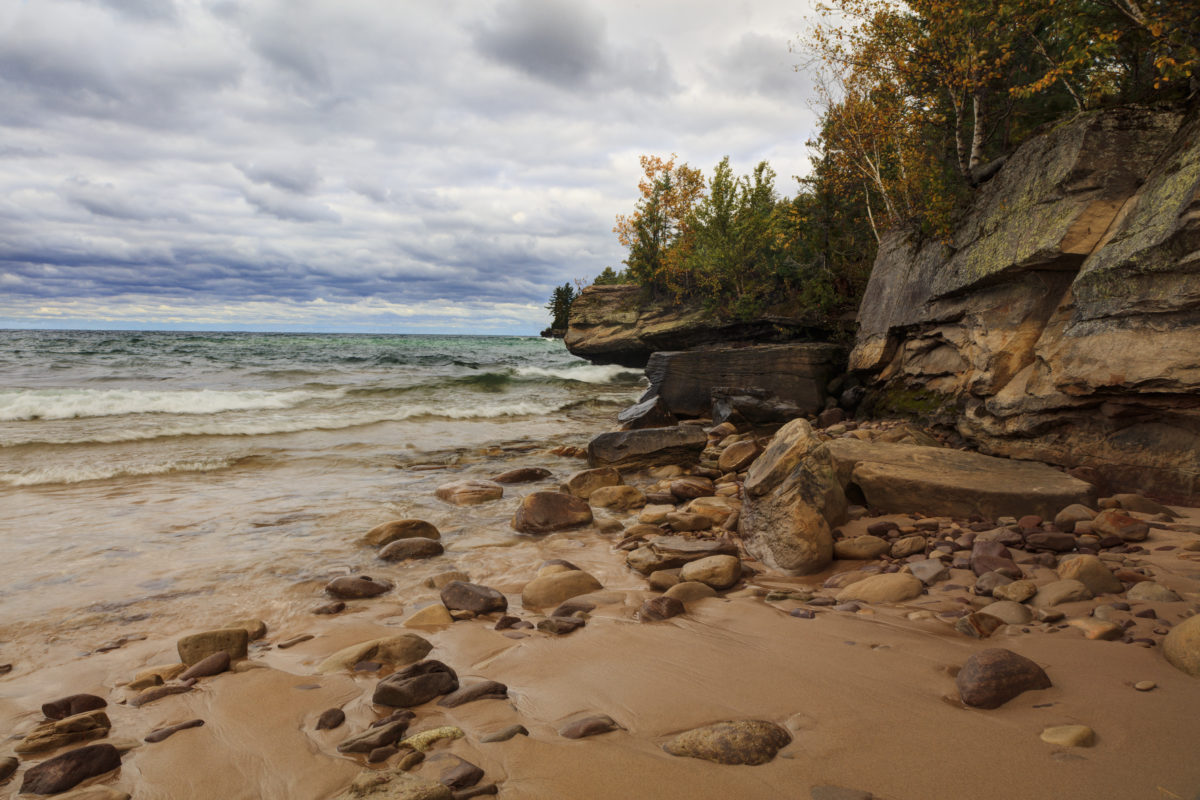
pixel 1062 323
pixel 622 325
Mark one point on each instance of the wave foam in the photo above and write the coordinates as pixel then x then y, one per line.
pixel 35 404
pixel 588 373
pixel 79 473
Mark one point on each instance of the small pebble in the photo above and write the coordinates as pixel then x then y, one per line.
pixel 1145 686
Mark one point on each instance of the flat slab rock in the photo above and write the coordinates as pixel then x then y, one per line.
pixel 394 785
pixel 899 478
pixel 71 768
pixel 751 742
pixel 647 447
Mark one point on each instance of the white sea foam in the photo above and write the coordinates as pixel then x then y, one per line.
pixel 588 373
pixel 78 473
pixel 35 404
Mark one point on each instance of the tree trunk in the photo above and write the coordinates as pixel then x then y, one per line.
pixel 977 135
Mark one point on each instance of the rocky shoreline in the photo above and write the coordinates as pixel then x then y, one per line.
pixel 725 597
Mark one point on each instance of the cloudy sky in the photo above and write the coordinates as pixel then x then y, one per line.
pixel 368 165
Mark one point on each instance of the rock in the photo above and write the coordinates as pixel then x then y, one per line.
pixel 550 590
pixel 791 501
pixel 1066 519
pixel 620 498
pixel 462 775
pixel 738 456
pixel 583 483
pixel 377 736
pixel 656 609
pixel 96 793
pixel 691 487
pixel 331 719
pixel 1181 646
pixel 863 548
pixel 483 690
pixel 1069 735
pixel 1091 572
pixel 1145 686
pixel 414 548
pixel 330 608
pixel 839 793
pixel 988 582
pixel 992 677
pixel 1098 628
pixel 993 557
pixel 1151 592
pixel 426 739
pixel 668 552
pixel 158 693
pixel 543 512
pixel 686 522
pixel 894 587
pixel 1142 505
pixel 199 646
pixel 690 591
pixel 431 616
pixel 560 626
pixel 1050 541
pixel 752 407
pixel 68 770
pixel 215 664
pixel 1017 591
pixel 469 492
pixel 1022 354
pixel 1058 592
pixel 504 734
pixel 8 765
pixel 93 724
pixel 415 684
pixel 389 532
pixel 160 734
pixel 647 447
pixel 394 784
pixel 70 706
pixel 1112 522
pixel 655 514
pixel 588 726
pixel 357 588
pixel 406 648
pixel 978 625
pixel 462 596
pixel 440 580
pixel 522 475
pixel 1008 611
pixel 750 742
pixel 718 509
pixel 649 413
pixel 908 546
pixel 719 572
pixel 929 571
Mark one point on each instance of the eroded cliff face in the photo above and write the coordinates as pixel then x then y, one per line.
pixel 622 325
pixel 1063 321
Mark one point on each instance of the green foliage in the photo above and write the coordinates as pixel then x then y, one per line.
pixel 610 277
pixel 560 305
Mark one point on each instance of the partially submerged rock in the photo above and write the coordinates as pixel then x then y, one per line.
pixel 647 447
pixel 199 646
pixel 389 532
pixel 469 492
pixel 405 648
pixel 544 512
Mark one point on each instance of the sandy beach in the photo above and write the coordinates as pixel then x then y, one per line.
pixel 868 696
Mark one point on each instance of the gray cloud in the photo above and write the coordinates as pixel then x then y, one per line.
pixel 357 161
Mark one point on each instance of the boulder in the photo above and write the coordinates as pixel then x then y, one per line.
pixel 69 769
pixel 357 587
pixel 415 684
pixel 1181 646
pixel 550 590
pixel 863 548
pixel 647 447
pixel 901 478
pixel 522 475
pixel 751 742
pixel 1091 572
pixel 469 492
pixel 71 705
pixel 414 548
pixel 389 532
pixel 199 646
pixel 463 596
pixel 992 677
pixel 719 572
pixel 791 500
pixel 648 413
pixel 1059 323
pixel 618 498
pixel 586 481
pixel 392 651
pixel 544 512
pixel 891 587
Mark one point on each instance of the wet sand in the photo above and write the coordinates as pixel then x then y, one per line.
pixel 869 697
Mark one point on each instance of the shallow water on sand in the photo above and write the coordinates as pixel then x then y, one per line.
pixel 178 477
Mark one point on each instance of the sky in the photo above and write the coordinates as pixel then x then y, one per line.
pixel 361 165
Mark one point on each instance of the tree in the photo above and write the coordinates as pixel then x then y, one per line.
pixel 658 232
pixel 560 306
